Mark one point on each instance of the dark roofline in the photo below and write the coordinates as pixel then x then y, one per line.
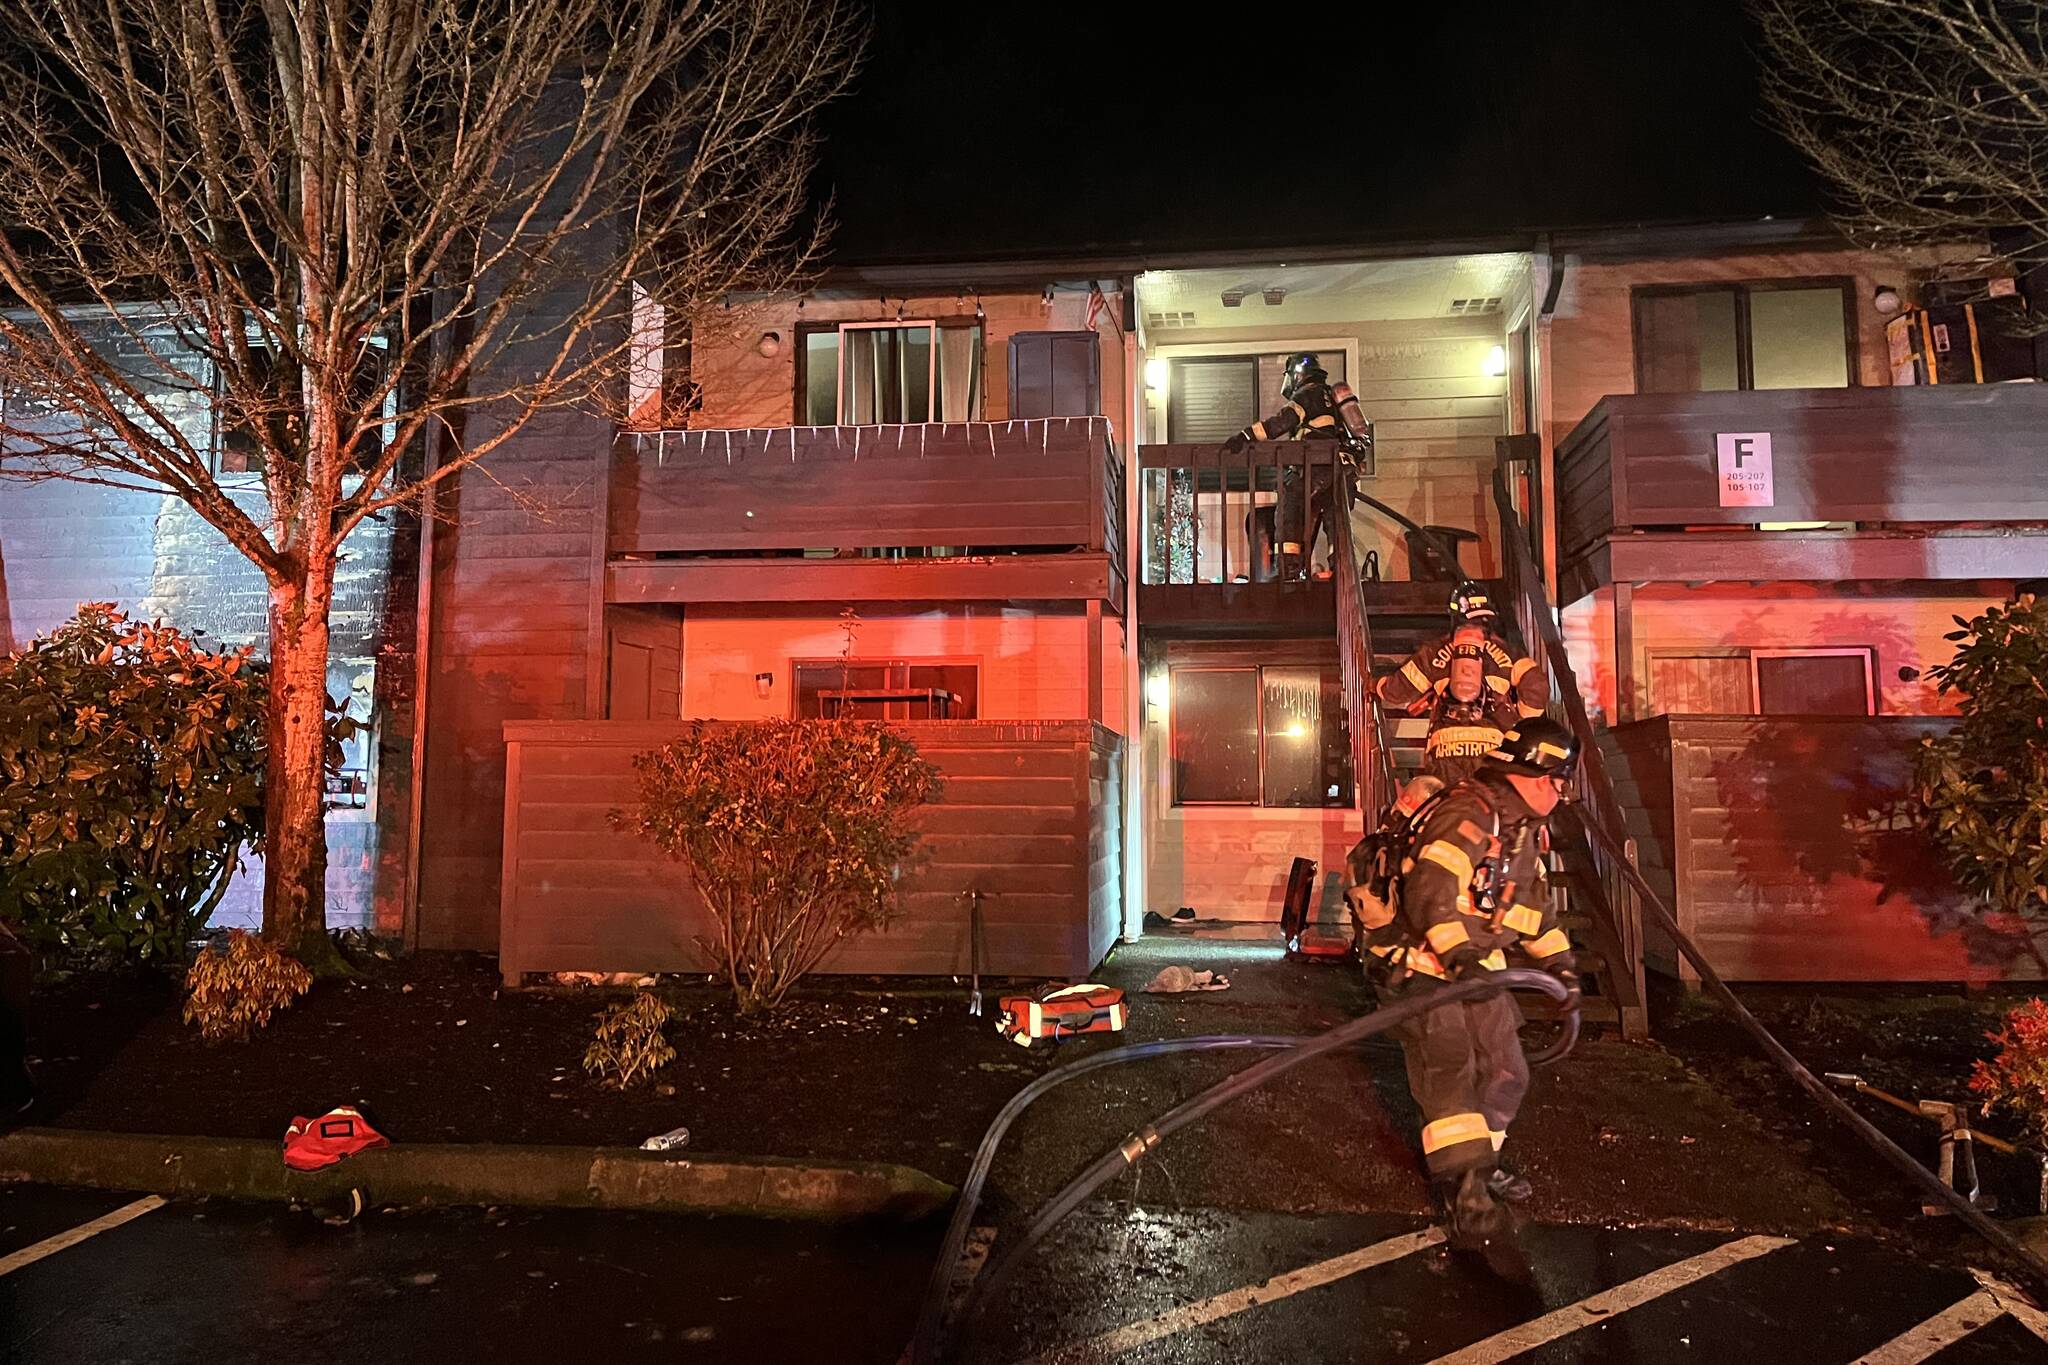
pixel 1623 242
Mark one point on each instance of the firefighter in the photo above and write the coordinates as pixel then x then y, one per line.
pixel 1314 412
pixel 1471 897
pixel 1470 684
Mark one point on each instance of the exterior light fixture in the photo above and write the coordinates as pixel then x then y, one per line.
pixel 763 682
pixel 1296 730
pixel 1155 691
pixel 1886 300
pixel 1156 372
pixel 770 344
pixel 1273 297
pixel 1497 361
pixel 1233 297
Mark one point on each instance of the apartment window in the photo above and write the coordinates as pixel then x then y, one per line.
pixel 887 689
pixel 1763 682
pixel 1267 736
pixel 1211 398
pixel 1814 682
pixel 870 373
pixel 1794 334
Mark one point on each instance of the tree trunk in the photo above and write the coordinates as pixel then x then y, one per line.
pixel 294 778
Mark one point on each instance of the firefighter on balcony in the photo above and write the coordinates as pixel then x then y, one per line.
pixel 1471 686
pixel 1471 895
pixel 1316 411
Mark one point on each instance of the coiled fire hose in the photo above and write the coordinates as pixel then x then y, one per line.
pixel 932 1323
pixel 2036 1268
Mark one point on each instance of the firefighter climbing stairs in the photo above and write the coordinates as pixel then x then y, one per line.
pixel 1375 638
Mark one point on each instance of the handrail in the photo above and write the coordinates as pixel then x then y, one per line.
pixel 1372 766
pixel 1595 805
pixel 1182 479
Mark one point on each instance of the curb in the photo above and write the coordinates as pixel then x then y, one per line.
pixel 478 1174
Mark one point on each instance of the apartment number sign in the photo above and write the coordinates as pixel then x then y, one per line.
pixel 1743 459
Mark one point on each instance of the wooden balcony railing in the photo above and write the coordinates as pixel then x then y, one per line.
pixel 1916 454
pixel 1048 484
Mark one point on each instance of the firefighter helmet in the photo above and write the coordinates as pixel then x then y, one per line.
pixel 1469 602
pixel 1537 747
pixel 1302 370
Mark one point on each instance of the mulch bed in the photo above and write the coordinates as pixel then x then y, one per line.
pixel 889 1070
pixel 437 1051
pixel 1916 1043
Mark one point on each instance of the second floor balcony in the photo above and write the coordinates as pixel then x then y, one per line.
pixel 1906 483
pixel 1028 509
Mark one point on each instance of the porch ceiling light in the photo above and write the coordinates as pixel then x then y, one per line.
pixel 1156 371
pixel 1497 361
pixel 1273 297
pixel 1233 297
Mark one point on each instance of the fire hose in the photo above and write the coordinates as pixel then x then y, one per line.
pixel 932 1321
pixel 1891 1151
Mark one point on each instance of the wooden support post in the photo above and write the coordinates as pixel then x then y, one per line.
pixel 1624 652
pixel 1095 660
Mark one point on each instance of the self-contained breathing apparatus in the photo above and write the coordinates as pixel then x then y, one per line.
pixel 1378 862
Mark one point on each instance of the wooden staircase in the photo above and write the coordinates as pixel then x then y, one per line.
pixel 1378 627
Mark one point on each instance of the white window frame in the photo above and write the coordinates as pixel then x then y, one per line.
pixel 1863 652
pixel 931 381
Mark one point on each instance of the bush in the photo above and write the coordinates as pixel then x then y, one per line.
pixel 792 832
pixel 133 761
pixel 1983 789
pixel 2017 1078
pixel 231 991
pixel 629 1046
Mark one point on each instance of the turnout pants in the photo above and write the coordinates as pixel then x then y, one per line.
pixel 1467 1074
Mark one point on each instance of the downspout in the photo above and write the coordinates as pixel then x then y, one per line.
pixel 422 669
pixel 1134 784
pixel 1539 347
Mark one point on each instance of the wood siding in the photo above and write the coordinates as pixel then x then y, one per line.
pixel 1028 816
pixel 1052 483
pixel 1914 455
pixel 515 634
pixel 1784 849
pixel 66 543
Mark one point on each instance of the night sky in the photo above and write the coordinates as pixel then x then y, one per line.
pixel 1015 128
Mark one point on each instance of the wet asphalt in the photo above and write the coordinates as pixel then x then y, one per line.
pixel 221 1283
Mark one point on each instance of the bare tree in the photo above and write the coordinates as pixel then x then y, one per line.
pixel 340 229
pixel 1928 118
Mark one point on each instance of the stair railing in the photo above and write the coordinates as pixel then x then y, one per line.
pixel 1595 805
pixel 1372 763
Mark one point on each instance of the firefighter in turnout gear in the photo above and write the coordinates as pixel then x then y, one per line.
pixel 1316 411
pixel 1471 898
pixel 1471 686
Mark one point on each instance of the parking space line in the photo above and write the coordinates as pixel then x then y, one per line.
pixel 2014 1302
pixel 1111 1344
pixel 1602 1307
pixel 50 1246
pixel 1943 1330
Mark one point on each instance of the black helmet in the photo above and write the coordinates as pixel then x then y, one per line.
pixel 1470 602
pixel 1302 370
pixel 1537 747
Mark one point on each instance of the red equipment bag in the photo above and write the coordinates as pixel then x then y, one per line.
pixel 1070 1010
pixel 310 1144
